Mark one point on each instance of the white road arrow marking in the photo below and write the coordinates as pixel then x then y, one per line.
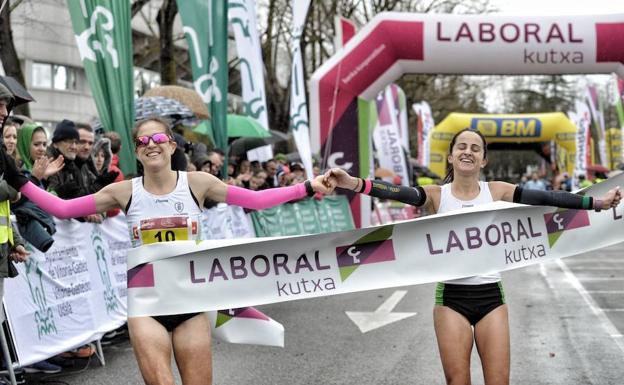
pixel 367 321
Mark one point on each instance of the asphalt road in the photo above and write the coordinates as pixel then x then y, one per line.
pixel 567 321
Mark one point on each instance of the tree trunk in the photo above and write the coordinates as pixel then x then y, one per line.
pixel 8 55
pixel 165 17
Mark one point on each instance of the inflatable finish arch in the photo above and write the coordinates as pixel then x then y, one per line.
pixel 516 128
pixel 393 44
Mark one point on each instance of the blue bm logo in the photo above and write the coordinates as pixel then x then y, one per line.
pixel 507 127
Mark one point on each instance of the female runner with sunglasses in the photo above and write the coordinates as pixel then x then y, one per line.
pixel 163 205
pixel 472 309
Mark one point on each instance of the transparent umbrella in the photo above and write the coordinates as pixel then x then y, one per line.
pixel 158 106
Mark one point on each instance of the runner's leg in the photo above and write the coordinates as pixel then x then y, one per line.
pixel 192 350
pixel 152 348
pixel 455 338
pixel 492 339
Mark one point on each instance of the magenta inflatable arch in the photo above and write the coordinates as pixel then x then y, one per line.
pixel 393 44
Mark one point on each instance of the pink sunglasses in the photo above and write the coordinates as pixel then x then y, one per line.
pixel 158 138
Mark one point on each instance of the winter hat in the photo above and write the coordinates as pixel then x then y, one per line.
pixel 65 130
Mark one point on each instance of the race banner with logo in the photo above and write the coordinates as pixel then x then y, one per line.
pixel 205 26
pixel 387 137
pixel 582 119
pixel 400 105
pixel 618 101
pixel 595 106
pixel 299 124
pixel 73 293
pixel 484 239
pixel 425 126
pixel 307 216
pixel 225 221
pixel 104 39
pixel 242 18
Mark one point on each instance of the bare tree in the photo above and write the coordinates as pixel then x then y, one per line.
pixel 166 14
pixel 8 54
pixel 446 93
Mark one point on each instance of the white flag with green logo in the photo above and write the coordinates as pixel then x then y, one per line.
pixel 242 18
pixel 299 123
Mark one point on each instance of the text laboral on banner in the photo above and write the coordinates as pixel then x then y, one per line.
pixel 499 236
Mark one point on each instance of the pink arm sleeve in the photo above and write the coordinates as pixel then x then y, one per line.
pixel 258 200
pixel 60 208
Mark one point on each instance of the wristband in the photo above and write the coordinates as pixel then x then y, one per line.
pixel 309 189
pixel 598 204
pixel 362 186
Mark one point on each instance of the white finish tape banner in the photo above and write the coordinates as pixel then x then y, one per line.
pixel 495 237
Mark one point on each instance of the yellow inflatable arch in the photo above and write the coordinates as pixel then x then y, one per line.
pixel 503 128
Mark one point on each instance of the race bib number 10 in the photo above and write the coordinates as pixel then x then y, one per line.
pixel 167 229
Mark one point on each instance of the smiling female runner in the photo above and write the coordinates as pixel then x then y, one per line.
pixel 473 308
pixel 163 205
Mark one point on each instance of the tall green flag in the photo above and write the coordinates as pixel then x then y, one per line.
pixel 104 38
pixel 205 27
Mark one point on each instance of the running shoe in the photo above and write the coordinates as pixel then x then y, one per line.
pixel 43 367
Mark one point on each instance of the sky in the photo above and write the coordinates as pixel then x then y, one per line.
pixel 559 7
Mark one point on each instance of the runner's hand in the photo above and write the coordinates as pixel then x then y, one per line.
pixel 323 185
pixel 612 198
pixel 343 180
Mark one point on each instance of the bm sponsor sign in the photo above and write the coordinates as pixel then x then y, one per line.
pixel 508 127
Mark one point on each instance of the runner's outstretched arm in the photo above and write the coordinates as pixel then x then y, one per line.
pixel 60 208
pixel 104 200
pixel 263 199
pixel 212 188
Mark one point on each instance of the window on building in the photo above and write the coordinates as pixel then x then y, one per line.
pixel 54 76
pixel 42 75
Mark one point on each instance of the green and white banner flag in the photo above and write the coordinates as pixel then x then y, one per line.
pixel 205 27
pixel 299 123
pixel 104 38
pixel 242 16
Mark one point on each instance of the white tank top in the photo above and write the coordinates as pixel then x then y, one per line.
pixel 448 202
pixel 163 218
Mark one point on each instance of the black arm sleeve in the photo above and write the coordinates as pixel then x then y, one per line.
pixel 561 199
pixel 414 196
pixel 10 172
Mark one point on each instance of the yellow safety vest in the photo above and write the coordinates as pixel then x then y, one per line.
pixel 6 231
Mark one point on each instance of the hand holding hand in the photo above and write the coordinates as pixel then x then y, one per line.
pixel 342 179
pixel 323 185
pixel 611 199
pixel 19 254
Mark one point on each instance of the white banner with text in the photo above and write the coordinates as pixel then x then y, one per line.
pixel 494 237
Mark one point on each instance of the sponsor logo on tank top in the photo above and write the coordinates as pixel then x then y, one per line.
pixel 162 201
